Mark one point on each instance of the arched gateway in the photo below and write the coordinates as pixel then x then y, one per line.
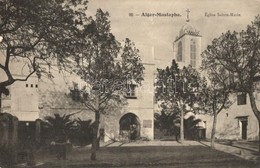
pixel 129 125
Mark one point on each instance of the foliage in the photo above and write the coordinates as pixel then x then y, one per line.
pixel 237 53
pixel 178 88
pixel 167 120
pixel 107 68
pixel 7 155
pixel 216 93
pixel 170 122
pixel 81 134
pixel 58 125
pixel 8 143
pixel 31 35
pixel 178 91
pixel 232 62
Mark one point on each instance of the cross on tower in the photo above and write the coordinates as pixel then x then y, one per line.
pixel 188 17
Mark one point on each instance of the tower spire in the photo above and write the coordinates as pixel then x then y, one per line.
pixel 188 15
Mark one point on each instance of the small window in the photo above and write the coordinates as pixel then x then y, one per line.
pixel 131 91
pixel 193 53
pixel 179 53
pixel 31 85
pixel 241 99
pixel 75 94
pixel 36 86
pixel 26 85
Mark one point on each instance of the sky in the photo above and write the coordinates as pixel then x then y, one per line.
pixel 154 36
pixel 160 32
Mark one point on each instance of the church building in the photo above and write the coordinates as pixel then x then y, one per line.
pixel 238 122
pixel 37 98
pixel 187 46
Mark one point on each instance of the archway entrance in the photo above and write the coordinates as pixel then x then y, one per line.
pixel 129 126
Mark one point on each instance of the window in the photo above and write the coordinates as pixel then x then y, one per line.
pixel 193 53
pixel 241 99
pixel 179 53
pixel 26 85
pixel 75 94
pixel 131 91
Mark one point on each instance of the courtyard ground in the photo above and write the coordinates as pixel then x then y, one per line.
pixel 154 154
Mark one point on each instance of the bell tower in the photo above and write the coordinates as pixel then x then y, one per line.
pixel 187 45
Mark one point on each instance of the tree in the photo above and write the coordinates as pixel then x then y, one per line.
pixel 77 130
pixel 167 120
pixel 107 69
pixel 238 53
pixel 178 88
pixel 215 95
pixel 30 32
pixel 81 135
pixel 58 125
pixel 60 129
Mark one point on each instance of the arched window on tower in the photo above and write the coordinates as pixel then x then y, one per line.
pixel 193 53
pixel 179 53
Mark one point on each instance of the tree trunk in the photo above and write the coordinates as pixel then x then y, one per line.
pixel 13 139
pixel 0 101
pixel 213 133
pixel 182 127
pixel 257 114
pixel 95 139
pixel 5 91
pixel 31 158
pixel 259 136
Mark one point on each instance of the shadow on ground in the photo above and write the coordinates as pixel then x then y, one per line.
pixel 147 156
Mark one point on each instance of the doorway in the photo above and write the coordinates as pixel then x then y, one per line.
pixel 242 123
pixel 244 129
pixel 129 126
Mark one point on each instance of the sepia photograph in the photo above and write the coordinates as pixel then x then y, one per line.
pixel 129 83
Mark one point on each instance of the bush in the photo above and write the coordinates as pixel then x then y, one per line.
pixel 62 127
pixel 81 135
pixel 7 156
